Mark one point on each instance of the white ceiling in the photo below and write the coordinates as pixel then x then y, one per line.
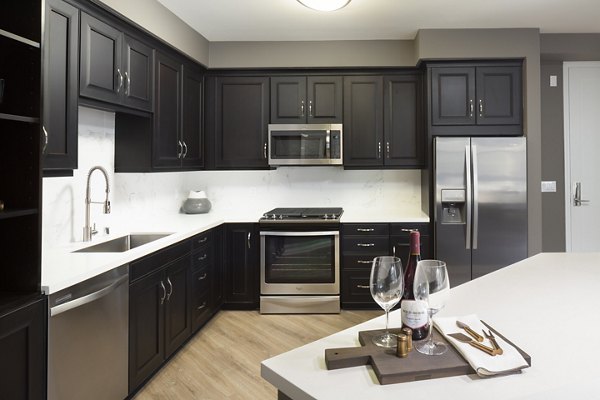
pixel 274 20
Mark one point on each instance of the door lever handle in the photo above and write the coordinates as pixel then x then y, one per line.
pixel 577 201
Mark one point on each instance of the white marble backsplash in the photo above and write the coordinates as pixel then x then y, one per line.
pixel 143 195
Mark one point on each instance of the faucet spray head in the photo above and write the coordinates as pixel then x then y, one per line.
pixel 107 207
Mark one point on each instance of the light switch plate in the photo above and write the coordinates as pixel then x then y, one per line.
pixel 548 186
pixel 553 81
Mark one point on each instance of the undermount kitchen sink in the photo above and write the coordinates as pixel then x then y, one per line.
pixel 123 243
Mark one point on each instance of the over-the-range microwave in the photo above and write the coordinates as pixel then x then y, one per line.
pixel 305 144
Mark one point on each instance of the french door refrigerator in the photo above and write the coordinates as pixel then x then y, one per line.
pixel 480 200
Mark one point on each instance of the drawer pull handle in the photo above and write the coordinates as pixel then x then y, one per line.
pixel 365 261
pixel 363 287
pixel 203 277
pixel 365 244
pixel 365 229
pixel 203 240
pixel 200 307
pixel 203 257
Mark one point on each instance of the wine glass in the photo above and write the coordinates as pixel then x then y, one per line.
pixel 432 286
pixel 386 285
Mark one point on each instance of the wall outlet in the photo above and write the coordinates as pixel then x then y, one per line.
pixel 548 186
pixel 553 81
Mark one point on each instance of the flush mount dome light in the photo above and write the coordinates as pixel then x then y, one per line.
pixel 324 5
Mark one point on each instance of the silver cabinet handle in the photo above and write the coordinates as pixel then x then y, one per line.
pixel 162 299
pixel 387 149
pixel 45 140
pixel 265 151
pixel 394 251
pixel 365 229
pixel 170 288
pixel 577 201
pixel 203 240
pixel 203 257
pixel 365 244
pixel 378 149
pixel 310 108
pixel 201 306
pixel 364 261
pixel 480 108
pixel 363 286
pixel 179 149
pixel 471 108
pixel 185 149
pixel 249 236
pixel 127 83
pixel 302 107
pixel 203 277
pixel 120 80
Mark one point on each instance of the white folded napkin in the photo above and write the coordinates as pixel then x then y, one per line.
pixel 510 361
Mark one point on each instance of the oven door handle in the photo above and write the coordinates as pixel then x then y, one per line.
pixel 317 233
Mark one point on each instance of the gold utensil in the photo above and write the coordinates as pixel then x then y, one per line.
pixel 470 331
pixel 461 337
pixel 492 340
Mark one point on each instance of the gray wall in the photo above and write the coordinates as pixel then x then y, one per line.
pixel 554 49
pixel 354 53
pixel 156 18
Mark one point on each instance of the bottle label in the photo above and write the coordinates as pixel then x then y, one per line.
pixel 414 314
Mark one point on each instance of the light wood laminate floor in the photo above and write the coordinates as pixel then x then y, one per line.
pixel 223 360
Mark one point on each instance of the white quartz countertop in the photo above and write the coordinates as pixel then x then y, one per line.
pixel 62 268
pixel 546 304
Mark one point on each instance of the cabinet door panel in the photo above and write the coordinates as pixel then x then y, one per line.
pixel 241 269
pixel 288 100
pixel 100 60
pixel 363 121
pixel 453 96
pixel 499 95
pixel 325 100
pixel 191 127
pixel 242 116
pixel 146 327
pixel 166 146
pixel 61 68
pixel 404 136
pixel 177 305
pixel 138 70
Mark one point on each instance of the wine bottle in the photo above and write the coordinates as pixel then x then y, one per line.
pixel 414 312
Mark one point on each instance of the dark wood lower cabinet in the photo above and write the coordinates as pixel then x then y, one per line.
pixel 241 263
pixel 23 352
pixel 178 327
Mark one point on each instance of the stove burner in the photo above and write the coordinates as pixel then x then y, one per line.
pixel 303 214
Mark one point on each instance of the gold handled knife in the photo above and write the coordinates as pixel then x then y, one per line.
pixel 470 331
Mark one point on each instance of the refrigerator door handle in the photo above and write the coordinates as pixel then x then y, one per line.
pixel 475 232
pixel 469 195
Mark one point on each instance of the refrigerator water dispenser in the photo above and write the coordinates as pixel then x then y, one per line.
pixel 453 206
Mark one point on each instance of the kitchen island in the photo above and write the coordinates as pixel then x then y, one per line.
pixel 546 305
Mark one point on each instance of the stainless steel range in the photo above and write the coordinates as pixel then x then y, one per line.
pixel 300 260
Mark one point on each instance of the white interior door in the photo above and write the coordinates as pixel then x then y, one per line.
pixel 582 155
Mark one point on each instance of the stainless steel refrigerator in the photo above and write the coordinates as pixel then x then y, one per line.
pixel 480 200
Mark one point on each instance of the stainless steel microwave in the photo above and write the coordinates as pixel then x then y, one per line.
pixel 305 144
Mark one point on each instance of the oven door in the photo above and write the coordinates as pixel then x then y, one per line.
pixel 300 263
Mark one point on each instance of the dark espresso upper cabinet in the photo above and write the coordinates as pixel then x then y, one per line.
pixel 476 99
pixel 363 121
pixel 167 145
pixel 192 118
pixel 114 68
pixel 301 100
pixel 238 121
pixel 60 92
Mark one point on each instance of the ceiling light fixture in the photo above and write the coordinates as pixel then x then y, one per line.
pixel 324 5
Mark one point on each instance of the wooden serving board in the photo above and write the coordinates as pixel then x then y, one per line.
pixel 391 369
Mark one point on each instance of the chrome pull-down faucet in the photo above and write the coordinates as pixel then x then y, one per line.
pixel 88 231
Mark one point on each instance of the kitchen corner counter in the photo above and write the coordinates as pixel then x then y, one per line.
pixel 537 303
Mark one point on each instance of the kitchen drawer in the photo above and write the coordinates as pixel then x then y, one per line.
pixel 355 291
pixel 200 309
pixel 157 260
pixel 360 262
pixel 200 281
pixel 377 245
pixel 202 257
pixel 365 229
pixel 398 229
pixel 202 239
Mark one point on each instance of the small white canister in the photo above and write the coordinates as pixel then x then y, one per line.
pixel 196 203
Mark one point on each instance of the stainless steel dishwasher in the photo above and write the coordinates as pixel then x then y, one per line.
pixel 88 335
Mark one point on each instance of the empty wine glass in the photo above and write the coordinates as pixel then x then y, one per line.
pixel 386 284
pixel 432 286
